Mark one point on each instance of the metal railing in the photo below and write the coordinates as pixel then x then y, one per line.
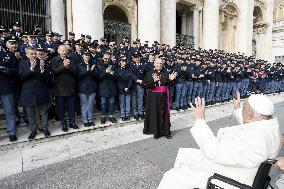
pixel 26 12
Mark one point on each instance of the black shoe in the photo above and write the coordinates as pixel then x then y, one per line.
pixel 73 126
pixel 177 109
pixel 123 119
pixel 142 116
pixel 46 133
pixel 56 118
pixel 27 122
pixel 136 117
pixel 79 113
pixel 91 124
pixel 169 137
pixel 112 119
pixel 64 127
pixel 127 119
pixel 32 135
pixel 184 108
pixel 103 120
pixel 13 138
pixel 86 125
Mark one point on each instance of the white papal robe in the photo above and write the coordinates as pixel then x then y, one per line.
pixel 236 152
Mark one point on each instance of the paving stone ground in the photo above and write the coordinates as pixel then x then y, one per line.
pixel 135 165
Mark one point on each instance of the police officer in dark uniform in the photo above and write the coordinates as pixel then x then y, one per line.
pixel 88 40
pixel 49 46
pixel 24 44
pixel 137 69
pixel 57 40
pixel 189 80
pixel 2 38
pixel 8 74
pixel 71 38
pixel 17 28
pixel 34 39
pixel 76 55
pixel 211 76
pixel 104 46
pixel 180 68
pixel 169 67
pixel 198 76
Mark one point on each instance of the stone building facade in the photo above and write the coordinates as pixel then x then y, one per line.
pixel 278 32
pixel 243 26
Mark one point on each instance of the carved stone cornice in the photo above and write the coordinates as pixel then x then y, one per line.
pixel 196 8
pixel 191 2
pixel 129 5
pixel 260 3
pixel 229 13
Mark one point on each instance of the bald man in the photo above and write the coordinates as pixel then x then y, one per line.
pixel 236 152
pixel 65 76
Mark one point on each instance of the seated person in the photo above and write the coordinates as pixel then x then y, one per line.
pixel 280 160
pixel 236 152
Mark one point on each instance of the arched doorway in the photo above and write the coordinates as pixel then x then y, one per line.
pixel 116 24
pixel 178 22
pixel 184 23
pixel 228 24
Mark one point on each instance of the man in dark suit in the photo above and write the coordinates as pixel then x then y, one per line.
pixel 35 92
pixel 65 81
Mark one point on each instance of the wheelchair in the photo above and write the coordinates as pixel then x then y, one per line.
pixel 261 180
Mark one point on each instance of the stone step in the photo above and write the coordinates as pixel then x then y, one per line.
pixel 23 131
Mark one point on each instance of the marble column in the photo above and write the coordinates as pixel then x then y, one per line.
pixel 57 10
pixel 267 55
pixel 88 18
pixel 149 20
pixel 189 23
pixel 244 30
pixel 201 29
pixel 168 22
pixel 196 26
pixel 69 15
pixel 184 23
pixel 211 24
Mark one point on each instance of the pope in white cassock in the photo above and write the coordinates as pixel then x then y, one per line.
pixel 236 152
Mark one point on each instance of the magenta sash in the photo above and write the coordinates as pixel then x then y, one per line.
pixel 163 89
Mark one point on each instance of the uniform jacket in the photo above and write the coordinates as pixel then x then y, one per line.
pixel 137 71
pixel 124 80
pixel 182 74
pixel 107 82
pixel 35 89
pixel 87 79
pixel 8 77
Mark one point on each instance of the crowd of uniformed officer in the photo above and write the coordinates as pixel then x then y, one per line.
pixel 47 75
